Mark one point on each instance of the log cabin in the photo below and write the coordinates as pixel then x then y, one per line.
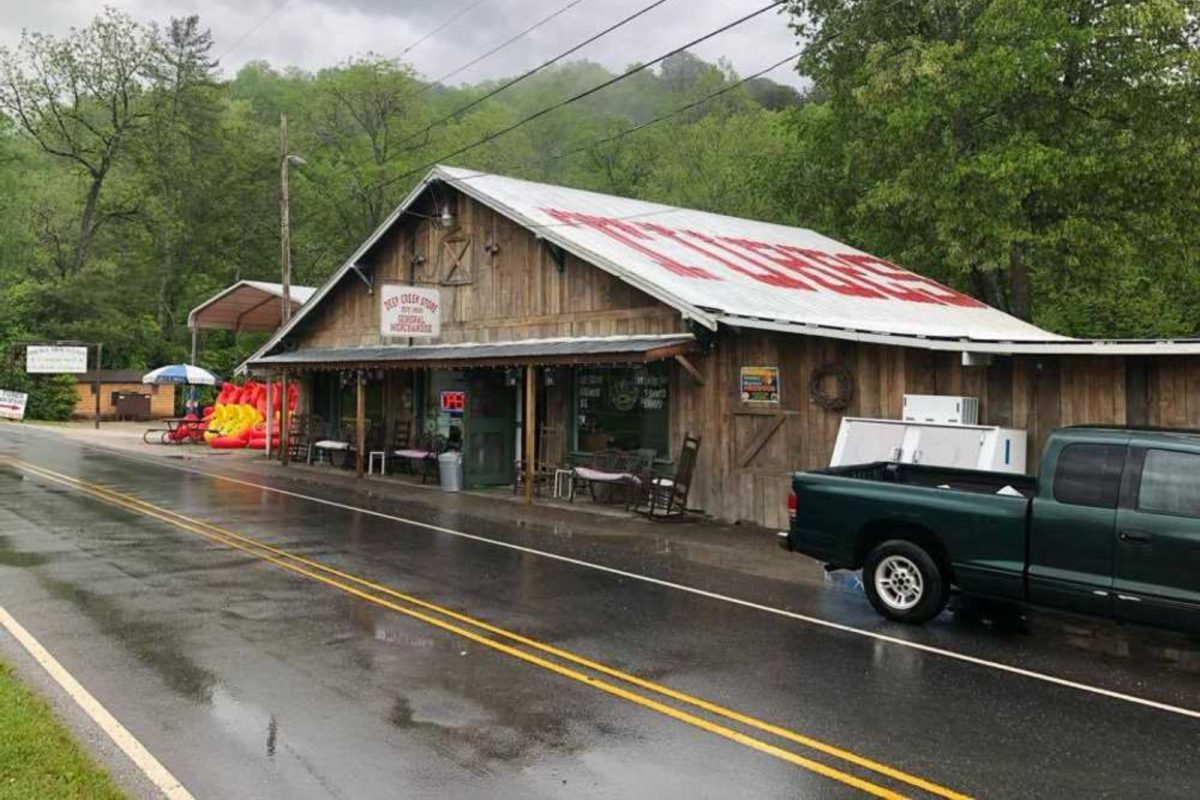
pixel 615 322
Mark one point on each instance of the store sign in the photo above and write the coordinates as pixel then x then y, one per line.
pixel 454 403
pixel 12 404
pixel 760 385
pixel 710 257
pixel 55 359
pixel 410 311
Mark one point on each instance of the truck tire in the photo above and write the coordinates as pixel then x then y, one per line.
pixel 904 583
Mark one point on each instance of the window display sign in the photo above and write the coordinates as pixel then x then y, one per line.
pixel 12 404
pixel 410 311
pixel 623 407
pixel 55 359
pixel 454 403
pixel 760 385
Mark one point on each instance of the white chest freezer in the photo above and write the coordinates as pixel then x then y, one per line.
pixel 861 440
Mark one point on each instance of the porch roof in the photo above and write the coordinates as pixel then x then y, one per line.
pixel 560 351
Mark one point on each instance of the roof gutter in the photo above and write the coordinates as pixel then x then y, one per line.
pixel 1057 346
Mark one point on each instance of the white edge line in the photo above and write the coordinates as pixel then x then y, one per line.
pixel 120 735
pixel 824 623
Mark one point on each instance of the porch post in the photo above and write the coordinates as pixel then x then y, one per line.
pixel 270 414
pixel 284 424
pixel 530 430
pixel 360 438
pixel 96 385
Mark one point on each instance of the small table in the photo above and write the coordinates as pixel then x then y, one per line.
pixel 562 483
pixel 170 433
pixel 371 456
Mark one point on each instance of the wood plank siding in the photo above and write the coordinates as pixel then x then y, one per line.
pixel 162 399
pixel 1035 393
pixel 517 291
pixel 500 282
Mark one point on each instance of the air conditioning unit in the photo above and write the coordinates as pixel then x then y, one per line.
pixel 941 409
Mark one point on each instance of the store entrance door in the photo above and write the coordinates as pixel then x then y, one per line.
pixel 491 429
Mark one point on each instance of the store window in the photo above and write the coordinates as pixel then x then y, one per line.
pixel 373 399
pixel 623 407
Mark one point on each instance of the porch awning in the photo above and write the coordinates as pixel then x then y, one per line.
pixel 574 350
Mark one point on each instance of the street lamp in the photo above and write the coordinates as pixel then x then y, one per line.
pixel 286 159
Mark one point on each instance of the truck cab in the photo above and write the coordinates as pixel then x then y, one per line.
pixel 1115 525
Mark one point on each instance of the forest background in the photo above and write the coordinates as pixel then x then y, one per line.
pixel 1042 155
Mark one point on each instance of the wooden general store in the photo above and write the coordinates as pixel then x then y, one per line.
pixel 626 324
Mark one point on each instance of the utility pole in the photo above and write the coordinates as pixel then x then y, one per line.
pixel 285 225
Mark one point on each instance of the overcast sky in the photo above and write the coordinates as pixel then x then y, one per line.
pixel 316 33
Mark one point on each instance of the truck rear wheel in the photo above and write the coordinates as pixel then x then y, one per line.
pixel 904 582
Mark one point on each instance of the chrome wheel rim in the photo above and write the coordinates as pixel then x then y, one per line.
pixel 899 583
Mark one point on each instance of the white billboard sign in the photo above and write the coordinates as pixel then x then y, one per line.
pixel 410 311
pixel 55 359
pixel 12 404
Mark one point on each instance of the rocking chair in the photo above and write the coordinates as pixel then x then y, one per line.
pixel 666 498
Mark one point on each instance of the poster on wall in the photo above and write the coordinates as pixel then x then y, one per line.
pixel 12 404
pixel 760 385
pixel 413 312
pixel 55 359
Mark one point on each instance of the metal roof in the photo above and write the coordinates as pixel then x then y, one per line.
pixel 716 269
pixel 595 349
pixel 246 306
pixel 710 265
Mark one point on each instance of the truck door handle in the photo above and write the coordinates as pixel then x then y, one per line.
pixel 1135 537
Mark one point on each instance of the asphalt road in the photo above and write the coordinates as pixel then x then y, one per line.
pixel 262 644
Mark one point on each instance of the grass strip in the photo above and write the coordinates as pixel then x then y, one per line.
pixel 38 757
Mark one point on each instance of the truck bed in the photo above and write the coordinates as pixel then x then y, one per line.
pixel 840 511
pixel 962 480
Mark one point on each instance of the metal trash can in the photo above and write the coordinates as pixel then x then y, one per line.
pixel 450 471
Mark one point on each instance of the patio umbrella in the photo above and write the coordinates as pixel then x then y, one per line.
pixel 180 373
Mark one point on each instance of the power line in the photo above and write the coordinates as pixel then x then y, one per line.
pixel 440 27
pixel 503 45
pixel 672 113
pixel 512 82
pixel 278 7
pixel 586 93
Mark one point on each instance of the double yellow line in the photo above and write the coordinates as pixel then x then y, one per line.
pixel 499 639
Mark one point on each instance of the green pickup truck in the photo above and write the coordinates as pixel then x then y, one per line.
pixel 1110 526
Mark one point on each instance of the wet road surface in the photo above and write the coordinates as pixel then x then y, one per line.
pixel 265 645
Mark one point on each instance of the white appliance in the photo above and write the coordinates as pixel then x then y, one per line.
pixel 944 408
pixel 987 447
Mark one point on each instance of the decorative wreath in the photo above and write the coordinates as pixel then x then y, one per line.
pixel 845 387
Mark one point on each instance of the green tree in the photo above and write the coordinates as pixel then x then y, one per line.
pixel 80 97
pixel 1042 153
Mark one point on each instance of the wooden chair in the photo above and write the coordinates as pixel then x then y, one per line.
pixel 302 432
pixel 666 498
pixel 546 461
pixel 643 471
